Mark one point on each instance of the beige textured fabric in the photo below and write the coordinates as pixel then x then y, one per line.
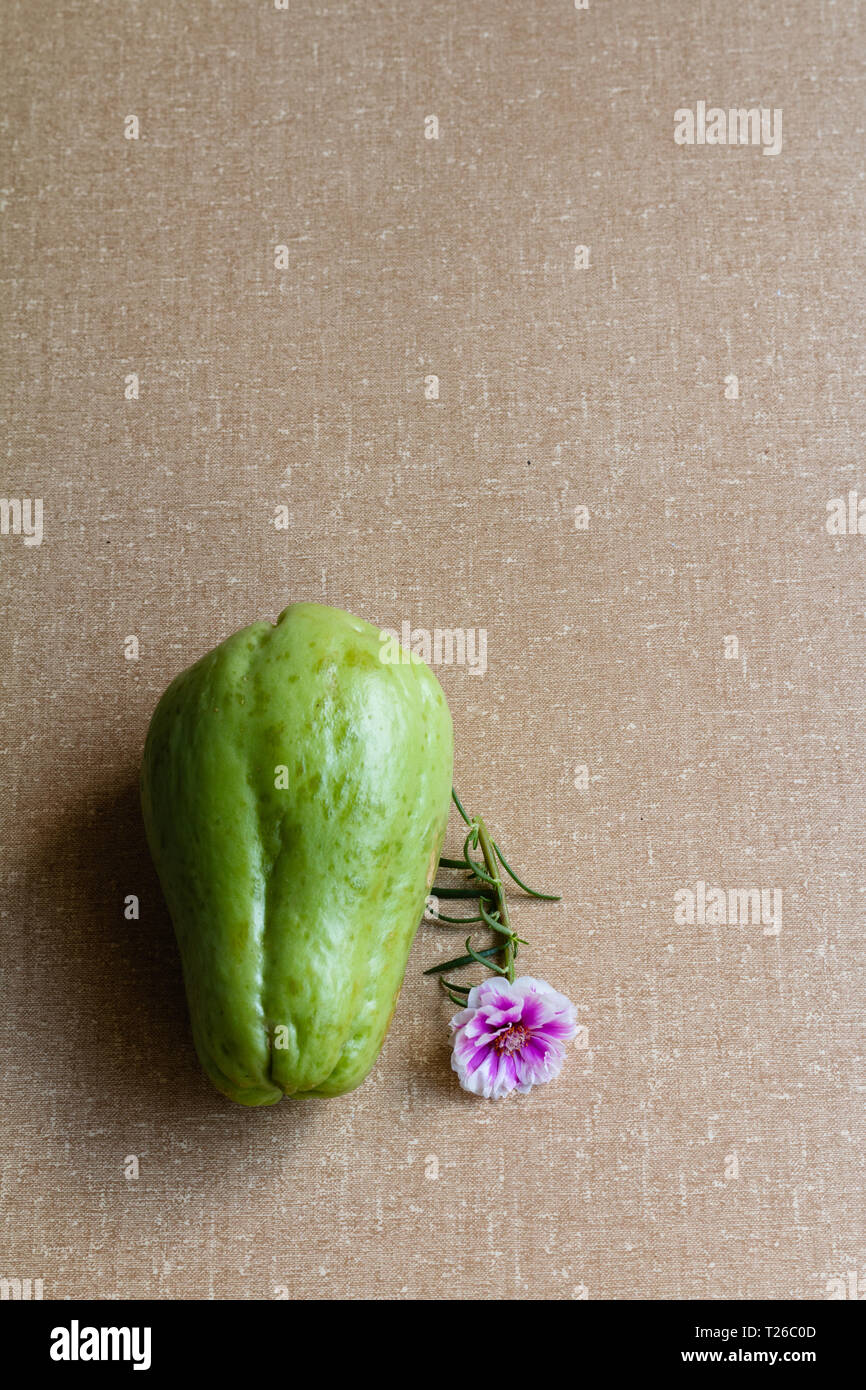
pixel 708 1139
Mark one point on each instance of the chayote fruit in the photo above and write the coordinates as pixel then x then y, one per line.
pixel 295 791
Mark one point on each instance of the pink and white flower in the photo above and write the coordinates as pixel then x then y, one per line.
pixel 511 1037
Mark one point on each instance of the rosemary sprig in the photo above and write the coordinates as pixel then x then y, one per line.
pixel 484 884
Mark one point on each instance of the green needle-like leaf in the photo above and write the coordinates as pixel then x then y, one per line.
pixel 533 893
pixel 493 922
pixel 463 960
pixel 456 921
pixel 467 892
pixel 483 956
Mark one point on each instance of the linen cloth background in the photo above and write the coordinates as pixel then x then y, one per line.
pixel 708 1140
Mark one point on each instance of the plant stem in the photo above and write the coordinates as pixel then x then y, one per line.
pixel 492 863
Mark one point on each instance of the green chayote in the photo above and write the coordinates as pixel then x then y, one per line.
pixel 295 791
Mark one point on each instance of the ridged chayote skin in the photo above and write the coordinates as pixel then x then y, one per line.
pixel 295 791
